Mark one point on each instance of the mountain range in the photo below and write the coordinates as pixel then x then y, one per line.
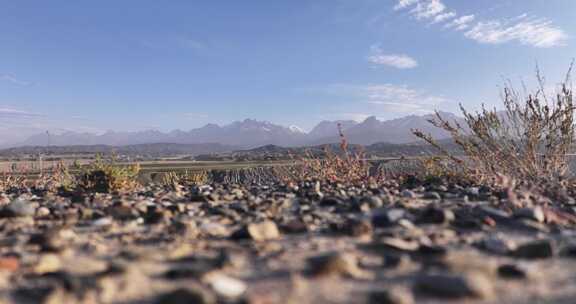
pixel 251 133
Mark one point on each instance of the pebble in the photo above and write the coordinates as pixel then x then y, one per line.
pixel 496 214
pixel 399 244
pixel 18 208
pixel 226 286
pixel 9 263
pixel 511 271
pixel 47 263
pixel 432 195
pixel 387 217
pixel 264 231
pixel 455 286
pixel 358 228
pixel 498 245
pixel 391 296
pixel 335 264
pixel 535 214
pixel 214 230
pixel 437 216
pixel 103 222
pixel 408 194
pixel 42 212
pixel 186 296
pixel 539 249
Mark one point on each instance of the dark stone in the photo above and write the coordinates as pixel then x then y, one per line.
pixel 511 271
pixel 455 286
pixel 330 202
pixel 392 296
pixel 294 226
pixel 387 217
pixel 540 249
pixel 436 216
pixel 186 296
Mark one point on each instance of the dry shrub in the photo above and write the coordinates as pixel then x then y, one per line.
pixel 528 141
pixel 12 181
pixel 107 176
pixel 345 167
pixel 58 179
pixel 184 178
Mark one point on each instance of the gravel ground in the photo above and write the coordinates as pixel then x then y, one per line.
pixel 310 243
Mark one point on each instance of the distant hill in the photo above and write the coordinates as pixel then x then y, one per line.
pixel 251 133
pixel 395 131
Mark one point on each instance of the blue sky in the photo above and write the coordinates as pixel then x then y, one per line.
pixel 141 64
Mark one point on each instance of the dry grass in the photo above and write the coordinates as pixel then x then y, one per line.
pixel 106 176
pixel 11 181
pixel 346 166
pixel 174 180
pixel 528 141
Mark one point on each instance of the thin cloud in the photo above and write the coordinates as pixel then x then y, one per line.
pixel 390 94
pixel 404 3
pixel 13 80
pixel 14 113
pixel 461 23
pixel 443 17
pixel 428 9
pixel 535 32
pixel 391 97
pixel 399 61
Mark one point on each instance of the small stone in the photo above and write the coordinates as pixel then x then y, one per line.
pixel 294 227
pixel 358 228
pixel 495 214
pixel 374 201
pixel 511 271
pixel 48 263
pixel 569 251
pixel 387 217
pixel 42 212
pixel 466 262
pixel 437 216
pixel 226 286
pixel 214 230
pixel 43 294
pixel 186 227
pixel 123 213
pixel 18 208
pixel 432 195
pixel 186 296
pixel 499 245
pixel 399 244
pixel 392 296
pixel 455 286
pixel 263 231
pixel 330 202
pixel 539 249
pixel 335 264
pixel 9 263
pixel 474 191
pixel 408 194
pixel 535 214
pixel 194 271
pixel 50 241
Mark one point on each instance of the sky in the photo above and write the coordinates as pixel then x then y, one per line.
pixel 128 65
